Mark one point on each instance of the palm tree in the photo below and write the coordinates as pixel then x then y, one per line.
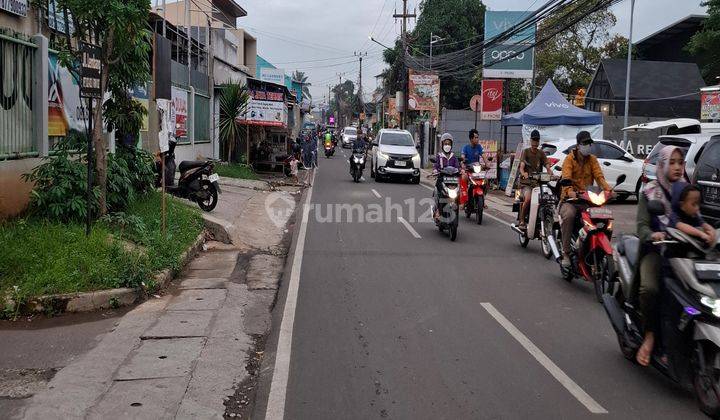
pixel 233 102
pixel 301 78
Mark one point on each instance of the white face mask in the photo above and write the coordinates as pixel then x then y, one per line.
pixel 584 149
pixel 447 148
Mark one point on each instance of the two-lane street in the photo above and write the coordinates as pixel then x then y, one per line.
pixel 390 325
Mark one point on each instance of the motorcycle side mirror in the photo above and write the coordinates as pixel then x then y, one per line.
pixel 620 180
pixel 417 147
pixel 374 144
pixel 565 182
pixel 432 159
pixel 655 208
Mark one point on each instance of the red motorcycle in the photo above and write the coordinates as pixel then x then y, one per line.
pixel 472 191
pixel 591 254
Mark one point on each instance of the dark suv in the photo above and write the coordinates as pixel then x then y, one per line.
pixel 707 177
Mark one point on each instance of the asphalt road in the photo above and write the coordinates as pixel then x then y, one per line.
pixel 388 325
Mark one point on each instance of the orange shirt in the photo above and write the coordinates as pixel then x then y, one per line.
pixel 583 175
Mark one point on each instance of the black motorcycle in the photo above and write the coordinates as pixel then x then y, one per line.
pixel 198 180
pixel 446 199
pixel 687 343
pixel 357 165
pixel 329 149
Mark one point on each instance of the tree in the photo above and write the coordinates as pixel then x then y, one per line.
pixel 461 24
pixel 571 57
pixel 301 78
pixel 120 29
pixel 344 99
pixel 234 99
pixel 704 44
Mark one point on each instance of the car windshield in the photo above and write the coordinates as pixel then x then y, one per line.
pixel 652 158
pixel 350 131
pixel 397 139
pixel 710 160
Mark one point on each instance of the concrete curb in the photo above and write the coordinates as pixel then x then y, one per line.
pixel 246 183
pixel 110 298
pixel 218 228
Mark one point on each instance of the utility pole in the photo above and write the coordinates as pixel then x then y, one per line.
pixel 360 55
pixel 404 16
pixel 433 39
pixel 629 67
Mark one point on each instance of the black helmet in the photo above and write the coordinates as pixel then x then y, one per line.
pixel 584 137
pixel 535 135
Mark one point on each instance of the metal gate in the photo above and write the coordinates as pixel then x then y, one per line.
pixel 16 93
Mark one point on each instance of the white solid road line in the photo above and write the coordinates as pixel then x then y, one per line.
pixel 412 231
pixel 545 361
pixel 377 194
pixel 278 388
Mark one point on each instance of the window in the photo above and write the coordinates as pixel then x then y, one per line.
pixel 350 131
pixel 397 139
pixel 709 163
pixel 607 151
pixel 655 152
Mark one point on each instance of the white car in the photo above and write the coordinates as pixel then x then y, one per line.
pixel 614 161
pixel 348 136
pixel 691 144
pixel 394 154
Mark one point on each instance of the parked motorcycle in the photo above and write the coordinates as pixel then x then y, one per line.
pixel 198 180
pixel 590 249
pixel 357 165
pixel 473 191
pixel 540 219
pixel 687 344
pixel 447 200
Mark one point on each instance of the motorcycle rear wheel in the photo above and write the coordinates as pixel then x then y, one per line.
pixel 479 207
pixel 208 189
pixel 547 227
pixel 603 279
pixel 453 232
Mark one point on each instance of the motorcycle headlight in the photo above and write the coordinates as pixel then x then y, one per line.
pixel 712 304
pixel 357 160
pixel 597 199
pixel 477 168
pixel 452 193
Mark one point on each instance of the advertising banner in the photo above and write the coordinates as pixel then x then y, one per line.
pixel 393 116
pixel 65 110
pixel 266 109
pixel 496 61
pixel 424 90
pixel 271 75
pixel 492 99
pixel 710 106
pixel 140 94
pixel 165 123
pixel 179 111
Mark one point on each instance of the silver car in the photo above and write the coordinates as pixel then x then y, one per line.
pixel 691 144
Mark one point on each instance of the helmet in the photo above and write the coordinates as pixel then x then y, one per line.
pixel 584 137
pixel 445 137
pixel 535 135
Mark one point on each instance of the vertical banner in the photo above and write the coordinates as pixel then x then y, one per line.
pixel 492 100
pixel 497 61
pixel 179 111
pixel 710 106
pixel 424 93
pixel 166 124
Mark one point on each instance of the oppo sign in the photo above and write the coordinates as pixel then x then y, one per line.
pixel 507 55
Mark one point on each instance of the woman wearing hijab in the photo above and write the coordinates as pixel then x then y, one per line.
pixel 650 228
pixel 443 159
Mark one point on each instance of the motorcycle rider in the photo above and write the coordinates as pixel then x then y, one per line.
pixel 473 153
pixel 444 158
pixel 582 168
pixel 359 146
pixel 532 160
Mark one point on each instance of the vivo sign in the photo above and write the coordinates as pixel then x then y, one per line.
pixel 510 59
pixel 556 105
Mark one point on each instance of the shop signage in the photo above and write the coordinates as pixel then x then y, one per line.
pixel 15 7
pixel 492 99
pixel 508 59
pixel 90 71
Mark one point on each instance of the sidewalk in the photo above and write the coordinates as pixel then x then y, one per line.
pixel 188 354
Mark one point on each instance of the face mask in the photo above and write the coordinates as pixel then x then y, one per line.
pixel 447 148
pixel 584 149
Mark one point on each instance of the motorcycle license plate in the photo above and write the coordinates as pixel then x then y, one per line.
pixel 214 178
pixel 600 213
pixel 451 179
pixel 400 163
pixel 706 271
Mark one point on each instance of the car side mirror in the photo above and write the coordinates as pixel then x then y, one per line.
pixel 627 159
pixel 432 159
pixel 656 208
pixel 620 180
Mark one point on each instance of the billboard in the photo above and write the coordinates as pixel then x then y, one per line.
pixel 271 75
pixel 266 109
pixel 710 106
pixel 179 111
pixel 496 61
pixel 424 91
pixel 492 99
pixel 65 110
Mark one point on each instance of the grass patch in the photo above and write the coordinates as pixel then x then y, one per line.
pixel 236 171
pixel 42 257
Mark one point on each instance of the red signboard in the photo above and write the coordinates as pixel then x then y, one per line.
pixel 492 97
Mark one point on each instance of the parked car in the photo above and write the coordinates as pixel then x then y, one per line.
pixel 613 160
pixel 707 178
pixel 348 136
pixel 691 144
pixel 394 154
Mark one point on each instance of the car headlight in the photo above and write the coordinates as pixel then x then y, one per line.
pixel 712 304
pixel 382 155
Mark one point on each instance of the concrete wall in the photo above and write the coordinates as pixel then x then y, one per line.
pixel 185 152
pixel 639 142
pixel 459 122
pixel 27 25
pixel 14 192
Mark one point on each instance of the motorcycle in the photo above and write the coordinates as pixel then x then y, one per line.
pixel 687 343
pixel 473 191
pixel 198 180
pixel 357 165
pixel 540 219
pixel 590 249
pixel 329 149
pixel 447 201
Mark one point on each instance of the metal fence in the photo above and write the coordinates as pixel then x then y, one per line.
pixel 16 93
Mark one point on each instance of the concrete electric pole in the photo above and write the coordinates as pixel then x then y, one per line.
pixel 404 16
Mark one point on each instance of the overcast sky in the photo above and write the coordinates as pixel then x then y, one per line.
pixel 292 32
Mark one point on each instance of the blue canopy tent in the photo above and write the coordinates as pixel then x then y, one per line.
pixel 555 117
